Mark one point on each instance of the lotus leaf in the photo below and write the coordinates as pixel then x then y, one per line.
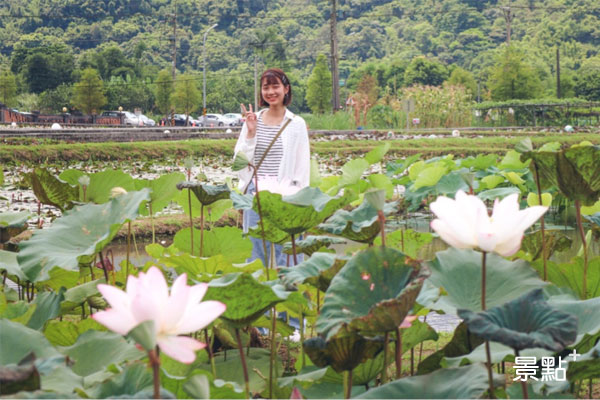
pixel 372 293
pixel 65 333
pixel 17 341
pixel 453 182
pixel 77 236
pixel 246 298
pixel 360 225
pixel 53 191
pixel 408 241
pixel 240 161
pixel 47 307
pixel 342 352
pixel 456 271
pixel 301 211
pixel 212 212
pixel 206 194
pixel 523 323
pixel 272 233
pixel 469 382
pixel 595 218
pixel 57 376
pixel 555 241
pixel 381 181
pixel 491 181
pixel 429 176
pixel 312 244
pixel 352 171
pixel 587 312
pixel 22 377
pixel 574 171
pixel 498 193
pixel 163 190
pixel 134 381
pixel 101 184
pixel 513 160
pixel 14 219
pixel 8 263
pixel 481 162
pixel 377 154
pixel 570 275
pixel 226 240
pixel 241 201
pixel 587 366
pixel 498 353
pixel 318 271
pixel 75 296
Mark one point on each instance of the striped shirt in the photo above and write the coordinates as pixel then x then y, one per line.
pixel 264 137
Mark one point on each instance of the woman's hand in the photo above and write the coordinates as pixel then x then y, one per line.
pixel 250 120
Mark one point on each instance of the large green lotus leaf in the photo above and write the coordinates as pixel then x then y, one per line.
pixel 317 271
pixel 524 323
pixel 94 351
pixel 71 176
pixel 498 353
pixel 540 390
pixel 459 273
pixel 205 268
pixel 77 236
pixel 57 376
pixel 342 352
pixel 481 162
pixel 555 241
pixel 575 171
pixel 363 374
pixel 352 171
pixel 65 333
pixel 587 312
pixel 452 183
pixel 570 275
pixel 241 201
pixel 498 193
pixel 8 263
pixel 47 306
pixel 372 293
pixel 53 191
pixel 595 218
pixel 301 211
pixel 360 225
pixel 227 240
pixel 513 160
pixel 311 244
pixel 469 382
pixel 272 233
pixel 377 154
pixel 206 194
pixel 75 296
pixel 135 381
pixel 101 184
pixel 586 367
pixel 163 190
pixel 246 298
pixel 212 212
pixel 14 219
pixel 17 341
pixel 429 176
pixel 408 241
pixel 417 333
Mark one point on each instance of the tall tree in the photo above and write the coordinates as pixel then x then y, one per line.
pixel 512 78
pixel 462 77
pixel 89 92
pixel 162 91
pixel 318 92
pixel 186 96
pixel 423 71
pixel 588 79
pixel 8 88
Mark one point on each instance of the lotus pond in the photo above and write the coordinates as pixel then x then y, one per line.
pixel 75 323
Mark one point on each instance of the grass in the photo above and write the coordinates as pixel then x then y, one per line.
pixel 131 151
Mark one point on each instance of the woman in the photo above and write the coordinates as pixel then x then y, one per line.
pixel 286 166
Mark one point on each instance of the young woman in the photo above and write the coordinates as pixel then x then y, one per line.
pixel 286 166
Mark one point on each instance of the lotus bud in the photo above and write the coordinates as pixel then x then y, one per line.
pixel 376 198
pixel 534 200
pixel 84 180
pixel 117 191
pixel 240 161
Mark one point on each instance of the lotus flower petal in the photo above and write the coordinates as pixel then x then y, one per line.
pixel 180 348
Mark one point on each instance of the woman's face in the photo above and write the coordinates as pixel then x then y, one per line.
pixel 274 91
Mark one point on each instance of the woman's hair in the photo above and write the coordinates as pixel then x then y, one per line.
pixel 273 76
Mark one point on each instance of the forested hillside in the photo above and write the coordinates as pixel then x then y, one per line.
pixel 47 43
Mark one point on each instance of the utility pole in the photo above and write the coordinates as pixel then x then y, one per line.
pixel 204 73
pixel 558 93
pixel 508 17
pixel 255 83
pixel 174 55
pixel 335 76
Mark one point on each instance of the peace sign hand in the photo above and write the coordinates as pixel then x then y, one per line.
pixel 250 120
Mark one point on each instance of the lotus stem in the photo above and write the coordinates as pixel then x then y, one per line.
pixel 318 301
pixel 244 366
pixel 591 386
pixel 201 230
pixel 272 357
pixel 302 354
pixel 398 353
pixel 402 240
pixel 155 363
pixel 294 250
pixel 584 244
pixel 104 268
pixel 213 366
pixel 210 353
pixel 262 224
pixel 523 383
pixel 421 345
pixel 539 190
pixel 152 222
pixel 4 276
pixel 19 291
pixel 381 217
pixel 191 221
pixel 129 244
pixel 487 343
pixel 348 384
pixel 412 361
pixel 386 343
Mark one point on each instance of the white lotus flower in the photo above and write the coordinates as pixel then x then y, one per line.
pixel 147 298
pixel 464 223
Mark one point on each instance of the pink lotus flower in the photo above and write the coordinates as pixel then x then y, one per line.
pixel 284 188
pixel 147 298
pixel 408 320
pixel 464 223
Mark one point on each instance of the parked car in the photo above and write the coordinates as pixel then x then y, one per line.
pixel 212 120
pixel 233 119
pixel 180 120
pixel 128 117
pixel 147 121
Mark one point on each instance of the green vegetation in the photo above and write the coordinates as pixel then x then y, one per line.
pixel 89 92
pixel 318 91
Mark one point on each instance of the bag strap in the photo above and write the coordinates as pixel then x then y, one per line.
pixel 257 166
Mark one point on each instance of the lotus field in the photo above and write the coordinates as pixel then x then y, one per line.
pixel 350 320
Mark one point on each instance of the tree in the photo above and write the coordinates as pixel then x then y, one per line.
pixel 367 87
pixel 588 79
pixel 8 88
pixel 53 100
pixel 162 91
pixel 512 78
pixel 318 92
pixel 462 77
pixel 186 95
pixel 423 71
pixel 89 92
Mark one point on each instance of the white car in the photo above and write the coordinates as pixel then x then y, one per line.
pixel 146 121
pixel 233 119
pixel 212 120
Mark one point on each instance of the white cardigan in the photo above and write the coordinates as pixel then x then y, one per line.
pixel 295 163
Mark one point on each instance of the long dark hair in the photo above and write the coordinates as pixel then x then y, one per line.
pixel 273 76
